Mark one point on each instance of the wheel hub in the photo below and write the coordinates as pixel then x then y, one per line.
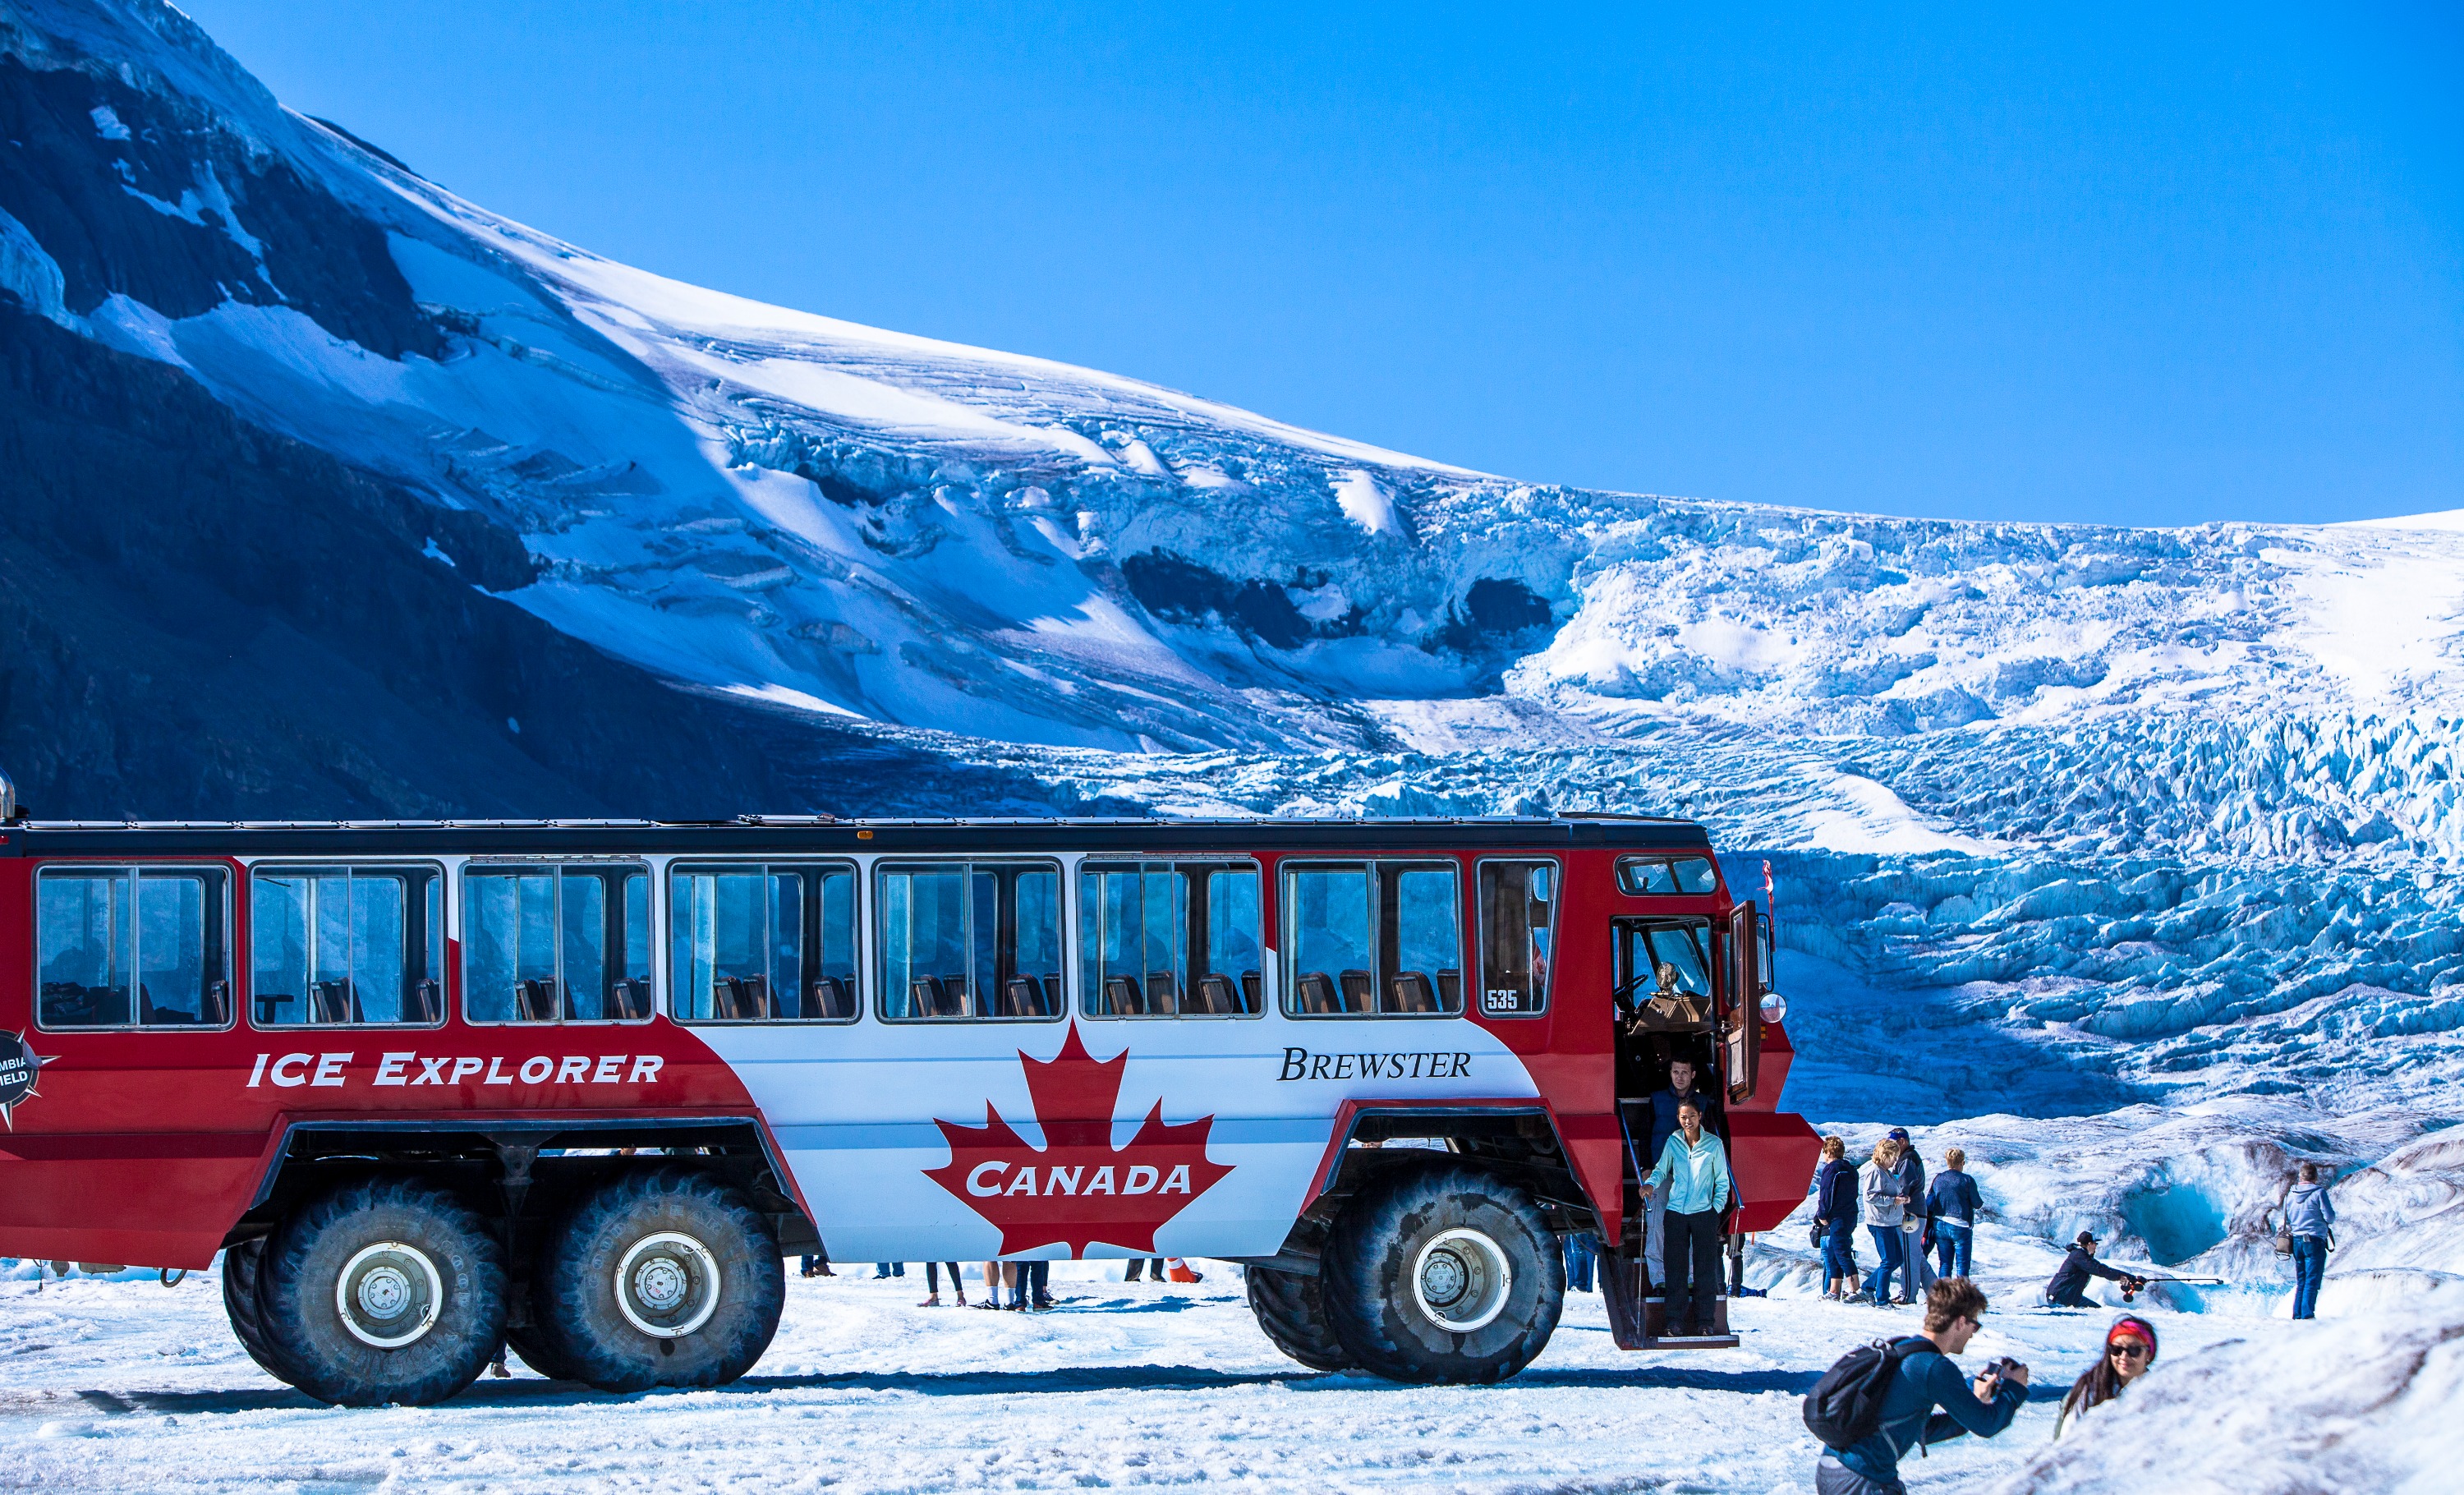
pixel 668 1284
pixel 1461 1279
pixel 388 1294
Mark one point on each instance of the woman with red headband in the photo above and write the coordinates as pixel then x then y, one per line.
pixel 2129 1349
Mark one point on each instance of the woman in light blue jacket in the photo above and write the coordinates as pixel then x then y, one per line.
pixel 1885 1206
pixel 2310 1217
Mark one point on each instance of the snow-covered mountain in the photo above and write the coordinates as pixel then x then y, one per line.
pixel 2061 816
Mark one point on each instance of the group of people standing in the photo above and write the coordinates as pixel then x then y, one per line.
pixel 1025 1286
pixel 1908 1217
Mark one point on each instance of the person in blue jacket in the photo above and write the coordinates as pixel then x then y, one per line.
pixel 2310 1217
pixel 1835 1219
pixel 1952 1205
pixel 1954 1311
pixel 1694 1167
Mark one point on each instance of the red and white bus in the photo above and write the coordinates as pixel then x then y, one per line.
pixel 577 1087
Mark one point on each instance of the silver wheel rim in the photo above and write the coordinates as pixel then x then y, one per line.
pixel 389 1295
pixel 1461 1279
pixel 668 1284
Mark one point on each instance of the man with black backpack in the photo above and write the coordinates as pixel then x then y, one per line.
pixel 1874 1405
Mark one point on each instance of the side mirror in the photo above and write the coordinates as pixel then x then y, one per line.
pixel 1774 1007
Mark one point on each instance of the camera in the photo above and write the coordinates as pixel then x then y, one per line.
pixel 2002 1366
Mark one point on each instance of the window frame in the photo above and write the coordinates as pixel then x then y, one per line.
pixel 229 949
pixel 1669 860
pixel 1287 953
pixel 556 865
pixel 882 867
pixel 1126 862
pixel 444 935
pixel 1479 939
pixel 664 922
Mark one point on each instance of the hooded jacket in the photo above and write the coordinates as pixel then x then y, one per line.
pixel 2308 1211
pixel 1883 1189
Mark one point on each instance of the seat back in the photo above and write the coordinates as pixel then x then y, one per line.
pixel 1163 994
pixel 1359 991
pixel 1317 993
pixel 632 1000
pixel 1450 991
pixel 535 999
pixel 331 1001
pixel 1022 996
pixel 924 998
pixel 427 1002
pixel 1410 992
pixel 1253 992
pixel 832 998
pixel 1122 997
pixel 1216 996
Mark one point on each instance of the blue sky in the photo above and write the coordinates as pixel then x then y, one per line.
pixel 2110 266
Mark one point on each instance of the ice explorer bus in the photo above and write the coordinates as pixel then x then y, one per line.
pixel 574 1087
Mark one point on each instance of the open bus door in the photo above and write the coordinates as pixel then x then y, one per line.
pixel 1741 1028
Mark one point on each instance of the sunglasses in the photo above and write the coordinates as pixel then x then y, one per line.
pixel 2131 1350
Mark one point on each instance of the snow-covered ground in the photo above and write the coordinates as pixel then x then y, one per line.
pixel 122 1385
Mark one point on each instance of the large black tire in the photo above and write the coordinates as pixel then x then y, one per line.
pixel 665 1277
pixel 1291 1310
pixel 240 1265
pixel 1442 1274
pixel 388 1290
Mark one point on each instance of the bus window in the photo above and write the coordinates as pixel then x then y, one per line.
pixel 1664 973
pixel 1684 874
pixel 101 931
pixel 1168 939
pixel 335 946
pixel 762 944
pixel 1516 906
pixel 969 940
pixel 1377 938
pixel 555 944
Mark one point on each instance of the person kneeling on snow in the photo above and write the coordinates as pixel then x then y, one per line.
pixel 2069 1288
pixel 1954 1310
pixel 2129 1349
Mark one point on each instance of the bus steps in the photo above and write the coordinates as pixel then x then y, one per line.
pixel 1637 1319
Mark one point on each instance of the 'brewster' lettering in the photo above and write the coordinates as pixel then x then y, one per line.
pixel 1299 1064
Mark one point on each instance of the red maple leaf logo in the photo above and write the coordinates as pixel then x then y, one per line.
pixel 1077 1189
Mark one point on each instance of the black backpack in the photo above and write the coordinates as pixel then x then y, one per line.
pixel 1846 1405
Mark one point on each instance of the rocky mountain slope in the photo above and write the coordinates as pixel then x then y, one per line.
pixel 332 492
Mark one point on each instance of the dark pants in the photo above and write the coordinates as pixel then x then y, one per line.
pixel 1140 1263
pixel 1834 1477
pixel 1579 1257
pixel 1954 1245
pixel 889 1268
pixel 2074 1296
pixel 1840 1252
pixel 2309 1268
pixel 1034 1280
pixel 1890 1242
pixel 933 1277
pixel 1690 1241
pixel 811 1264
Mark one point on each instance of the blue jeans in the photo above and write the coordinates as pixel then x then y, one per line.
pixel 1840 1252
pixel 1579 1257
pixel 1890 1242
pixel 2309 1265
pixel 1953 1243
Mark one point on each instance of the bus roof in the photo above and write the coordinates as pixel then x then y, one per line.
pixel 814 834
